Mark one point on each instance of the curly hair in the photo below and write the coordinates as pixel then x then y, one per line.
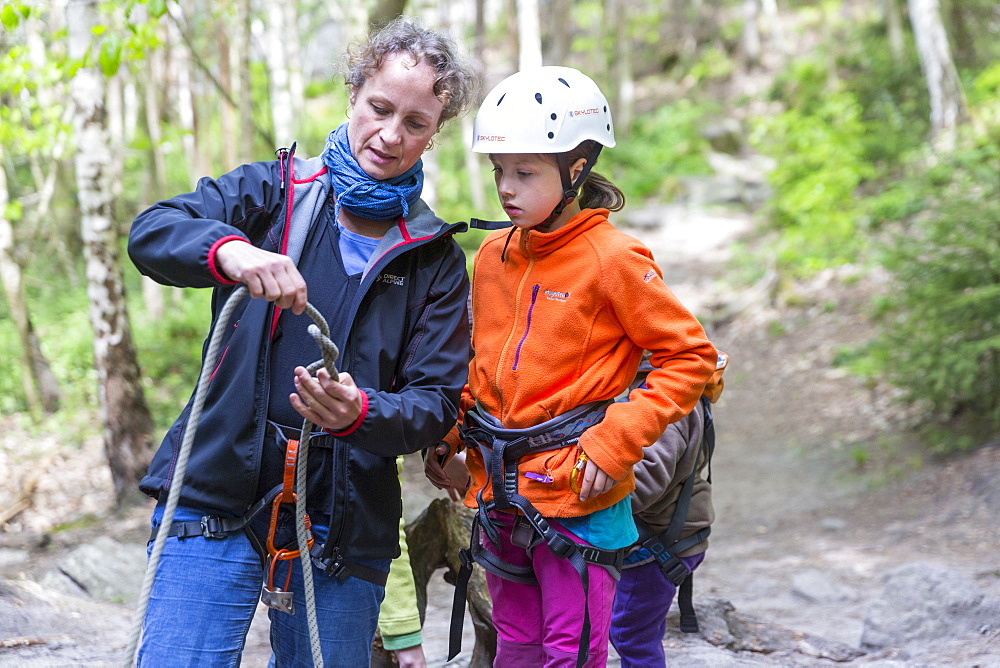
pixel 457 82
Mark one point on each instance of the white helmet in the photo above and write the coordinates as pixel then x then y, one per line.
pixel 543 110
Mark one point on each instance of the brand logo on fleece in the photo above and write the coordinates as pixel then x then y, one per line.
pixel 390 279
pixel 556 296
pixel 650 275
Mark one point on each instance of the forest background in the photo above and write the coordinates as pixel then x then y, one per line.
pixel 878 122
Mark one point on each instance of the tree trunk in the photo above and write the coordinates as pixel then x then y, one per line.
pixel 560 25
pixel 948 109
pixel 529 36
pixel 434 540
pixel 751 36
pixel 241 44
pixel 126 418
pixel 277 68
pixel 621 69
pixel 41 392
pixel 894 29
pixel 385 11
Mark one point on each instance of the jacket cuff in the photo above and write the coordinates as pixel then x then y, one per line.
pixel 216 272
pixel 357 423
pixel 403 641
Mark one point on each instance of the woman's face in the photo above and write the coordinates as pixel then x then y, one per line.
pixel 394 115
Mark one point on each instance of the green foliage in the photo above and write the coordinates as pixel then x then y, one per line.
pixel 940 338
pixel 819 150
pixel 169 349
pixel 660 147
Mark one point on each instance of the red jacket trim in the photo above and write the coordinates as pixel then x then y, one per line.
pixel 357 423
pixel 216 273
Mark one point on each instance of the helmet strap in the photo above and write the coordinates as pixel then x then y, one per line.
pixel 570 189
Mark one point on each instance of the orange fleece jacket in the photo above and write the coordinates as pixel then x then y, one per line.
pixel 563 321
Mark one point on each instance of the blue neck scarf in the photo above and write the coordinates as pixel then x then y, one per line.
pixel 362 195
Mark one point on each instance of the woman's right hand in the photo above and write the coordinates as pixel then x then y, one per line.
pixel 269 275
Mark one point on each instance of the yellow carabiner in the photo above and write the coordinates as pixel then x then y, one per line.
pixel 574 476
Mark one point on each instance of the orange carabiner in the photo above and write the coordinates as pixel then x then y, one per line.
pixel 287 495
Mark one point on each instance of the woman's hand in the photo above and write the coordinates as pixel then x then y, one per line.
pixel 595 481
pixel 327 403
pixel 269 275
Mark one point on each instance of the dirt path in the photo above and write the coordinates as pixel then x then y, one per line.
pixel 816 497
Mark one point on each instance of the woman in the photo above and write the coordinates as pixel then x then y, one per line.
pixel 391 282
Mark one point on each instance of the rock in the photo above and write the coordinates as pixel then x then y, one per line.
pixel 923 602
pixel 103 569
pixel 721 625
pixel 725 135
pixel 818 587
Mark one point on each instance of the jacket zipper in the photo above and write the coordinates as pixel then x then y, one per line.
pixel 527 327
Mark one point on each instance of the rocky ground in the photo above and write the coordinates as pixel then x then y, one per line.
pixel 836 541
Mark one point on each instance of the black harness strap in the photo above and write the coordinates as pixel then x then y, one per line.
pixel 502 449
pixel 213 526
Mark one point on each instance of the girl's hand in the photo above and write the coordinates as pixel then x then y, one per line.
pixel 453 476
pixel 411 657
pixel 595 481
pixel 327 403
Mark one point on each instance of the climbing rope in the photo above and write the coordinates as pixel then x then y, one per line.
pixel 320 331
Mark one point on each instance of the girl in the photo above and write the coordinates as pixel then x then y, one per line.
pixel 563 305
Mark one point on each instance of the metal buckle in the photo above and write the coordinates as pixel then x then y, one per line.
pixel 211 527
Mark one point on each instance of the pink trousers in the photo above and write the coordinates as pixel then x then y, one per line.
pixel 540 625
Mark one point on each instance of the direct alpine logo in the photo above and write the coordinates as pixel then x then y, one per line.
pixel 584 112
pixel 650 275
pixel 390 279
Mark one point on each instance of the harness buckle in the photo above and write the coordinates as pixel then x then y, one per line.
pixel 212 527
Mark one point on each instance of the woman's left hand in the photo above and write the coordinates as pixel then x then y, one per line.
pixel 595 481
pixel 326 402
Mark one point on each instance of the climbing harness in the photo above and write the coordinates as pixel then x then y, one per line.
pixel 501 449
pixel 217 527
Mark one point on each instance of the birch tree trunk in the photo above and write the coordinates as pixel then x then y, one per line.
pixel 277 69
pixel 948 108
pixel 621 70
pixel 126 418
pixel 241 45
pixel 529 36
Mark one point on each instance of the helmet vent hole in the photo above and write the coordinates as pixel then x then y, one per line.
pixel 552 116
pixel 563 82
pixel 608 126
pixel 551 135
pixel 605 109
pixel 501 99
pixel 538 98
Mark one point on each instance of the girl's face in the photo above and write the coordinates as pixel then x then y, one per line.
pixel 529 188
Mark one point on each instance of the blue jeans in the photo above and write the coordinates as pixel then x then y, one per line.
pixel 639 618
pixel 205 594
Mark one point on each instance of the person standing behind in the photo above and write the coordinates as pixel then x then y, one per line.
pixel 678 519
pixel 563 306
pixel 348 233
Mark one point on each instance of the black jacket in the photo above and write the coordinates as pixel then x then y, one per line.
pixel 407 347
